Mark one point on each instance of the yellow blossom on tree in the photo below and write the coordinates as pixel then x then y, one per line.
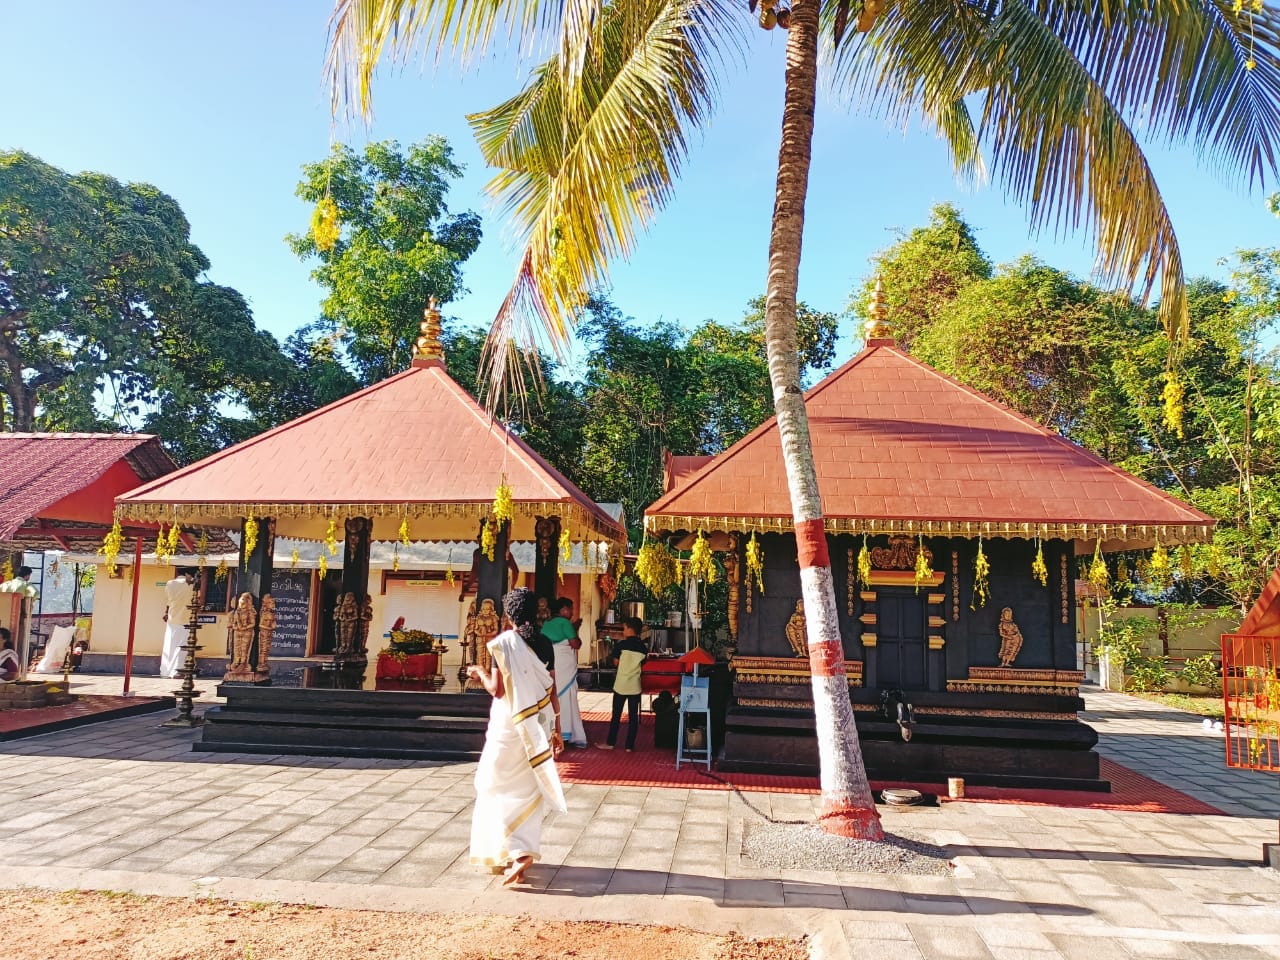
pixel 1173 404
pixel 325 226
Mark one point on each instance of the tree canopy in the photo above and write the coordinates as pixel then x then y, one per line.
pixel 107 322
pixel 386 242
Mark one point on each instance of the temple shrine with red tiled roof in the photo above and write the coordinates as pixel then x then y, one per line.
pixel 911 463
pixel 409 460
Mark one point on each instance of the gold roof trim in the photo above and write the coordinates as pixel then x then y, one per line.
pixel 1166 533
pixel 169 512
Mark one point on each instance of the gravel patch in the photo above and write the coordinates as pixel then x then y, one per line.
pixel 785 846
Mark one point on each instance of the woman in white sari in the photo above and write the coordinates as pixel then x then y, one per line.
pixel 516 780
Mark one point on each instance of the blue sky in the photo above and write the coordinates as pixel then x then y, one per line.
pixel 220 105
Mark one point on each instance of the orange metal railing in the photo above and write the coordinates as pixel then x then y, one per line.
pixel 1251 698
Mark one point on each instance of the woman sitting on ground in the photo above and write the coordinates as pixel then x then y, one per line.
pixel 9 662
pixel 516 780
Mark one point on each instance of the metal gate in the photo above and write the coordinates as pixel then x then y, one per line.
pixel 1251 699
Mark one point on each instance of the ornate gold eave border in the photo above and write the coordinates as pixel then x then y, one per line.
pixel 211 512
pixel 1167 533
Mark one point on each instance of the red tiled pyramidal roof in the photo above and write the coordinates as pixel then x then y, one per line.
pixel 50 475
pixel 415 445
pixel 902 448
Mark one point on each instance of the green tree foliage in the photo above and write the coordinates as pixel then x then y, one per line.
pixel 924 272
pixel 654 388
pixel 397 245
pixel 107 323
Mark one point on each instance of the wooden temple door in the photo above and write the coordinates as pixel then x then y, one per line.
pixel 902 646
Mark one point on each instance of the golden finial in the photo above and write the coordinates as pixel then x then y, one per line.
pixel 428 347
pixel 877 325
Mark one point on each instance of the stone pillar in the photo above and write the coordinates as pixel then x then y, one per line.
pixel 546 559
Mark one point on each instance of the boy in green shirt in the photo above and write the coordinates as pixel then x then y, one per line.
pixel 560 634
pixel 626 684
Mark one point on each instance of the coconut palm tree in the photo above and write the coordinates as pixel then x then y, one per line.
pixel 1046 95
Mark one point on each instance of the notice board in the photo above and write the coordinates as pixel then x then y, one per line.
pixel 291 590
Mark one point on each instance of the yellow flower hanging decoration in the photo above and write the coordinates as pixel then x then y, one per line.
pixel 202 548
pixel 293 560
pixel 1186 563
pixel 324 564
pixel 7 571
pixel 923 570
pixel 395 557
pixel 656 567
pixel 449 578
pixel 503 507
pixel 1098 576
pixel 981 578
pixel 701 565
pixel 175 534
pixel 403 535
pixel 220 573
pixel 1039 571
pixel 1160 570
pixel 755 562
pixel 566 547
pixel 331 537
pixel 489 539
pixel 111 545
pixel 250 536
pixel 864 564
pixel 325 226
pixel 162 546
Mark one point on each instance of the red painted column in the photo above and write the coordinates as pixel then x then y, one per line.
pixel 133 613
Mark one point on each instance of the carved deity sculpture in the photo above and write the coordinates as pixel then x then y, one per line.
pixel 545 532
pixel 797 635
pixel 487 625
pixel 469 651
pixel 544 611
pixel 1010 638
pixel 734 580
pixel 243 621
pixel 346 619
pixel 366 618
pixel 266 630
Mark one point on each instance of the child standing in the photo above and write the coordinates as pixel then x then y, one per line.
pixel 626 683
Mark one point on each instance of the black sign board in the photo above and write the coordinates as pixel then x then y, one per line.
pixel 291 591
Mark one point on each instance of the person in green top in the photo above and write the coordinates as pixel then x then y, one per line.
pixel 562 632
pixel 630 658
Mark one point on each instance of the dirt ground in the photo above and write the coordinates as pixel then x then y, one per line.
pixel 44 925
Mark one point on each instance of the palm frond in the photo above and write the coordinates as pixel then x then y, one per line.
pixel 1056 140
pixel 1196 71
pixel 583 168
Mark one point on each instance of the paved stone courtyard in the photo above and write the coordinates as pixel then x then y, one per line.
pixel 127 805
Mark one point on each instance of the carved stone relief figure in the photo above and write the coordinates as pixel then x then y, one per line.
pixel 266 630
pixel 545 533
pixel 366 618
pixel 797 634
pixel 487 625
pixel 734 579
pixel 899 555
pixel 242 623
pixel 1010 638
pixel 469 648
pixel 346 618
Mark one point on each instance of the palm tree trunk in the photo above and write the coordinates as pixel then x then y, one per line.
pixel 847 806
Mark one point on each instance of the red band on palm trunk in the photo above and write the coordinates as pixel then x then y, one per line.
pixel 811 544
pixel 826 659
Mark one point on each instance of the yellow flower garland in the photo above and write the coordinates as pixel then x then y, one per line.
pixel 656 567
pixel 701 565
pixel 1098 575
pixel 864 564
pixel 111 545
pixel 403 536
pixel 1160 569
pixel 489 539
pixel 250 536
pixel 331 537
pixel 1039 571
pixel 503 506
pixel 324 564
pixel 202 548
pixel 566 547
pixel 981 578
pixel 220 573
pixel 293 560
pixel 923 570
pixel 755 562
